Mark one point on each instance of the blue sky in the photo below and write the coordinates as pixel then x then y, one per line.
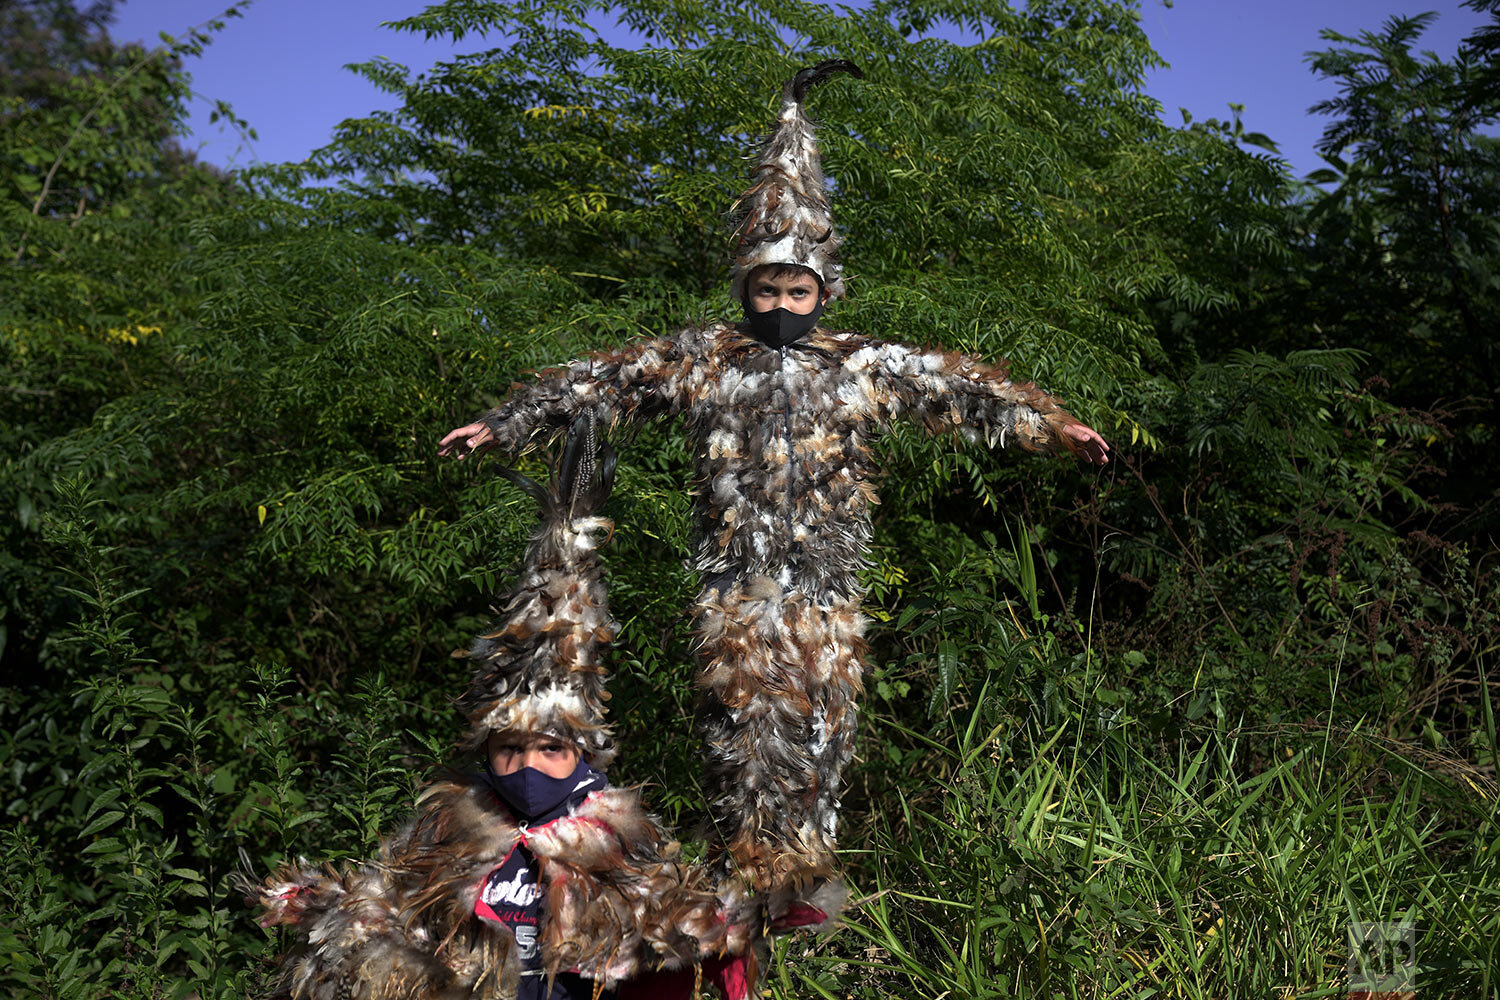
pixel 281 65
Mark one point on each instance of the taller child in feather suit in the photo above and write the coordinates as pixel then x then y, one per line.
pixel 782 413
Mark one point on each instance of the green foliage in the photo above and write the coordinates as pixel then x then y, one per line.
pixel 1165 729
pixel 136 910
pixel 1023 183
pixel 1415 194
pixel 90 126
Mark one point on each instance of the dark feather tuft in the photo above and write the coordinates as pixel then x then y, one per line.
pixel 586 473
pixel 590 498
pixel 529 486
pixel 810 76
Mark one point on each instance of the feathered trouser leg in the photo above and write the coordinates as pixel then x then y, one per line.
pixel 780 685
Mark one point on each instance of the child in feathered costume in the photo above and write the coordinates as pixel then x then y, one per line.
pixel 783 413
pixel 534 879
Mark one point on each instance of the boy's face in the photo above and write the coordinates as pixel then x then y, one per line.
pixel 794 291
pixel 509 753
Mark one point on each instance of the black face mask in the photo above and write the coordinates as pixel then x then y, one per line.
pixel 780 327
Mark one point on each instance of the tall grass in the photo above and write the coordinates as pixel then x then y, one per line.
pixel 1110 860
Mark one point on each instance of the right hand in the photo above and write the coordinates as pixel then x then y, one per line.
pixel 1091 444
pixel 468 439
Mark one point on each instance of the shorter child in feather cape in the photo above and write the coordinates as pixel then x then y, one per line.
pixel 545 782
pixel 539 779
pixel 534 879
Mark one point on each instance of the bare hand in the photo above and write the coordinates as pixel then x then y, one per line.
pixel 1091 443
pixel 466 440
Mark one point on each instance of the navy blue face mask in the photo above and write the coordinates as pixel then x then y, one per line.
pixel 536 797
pixel 780 327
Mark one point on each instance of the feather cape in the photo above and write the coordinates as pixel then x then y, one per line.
pixel 617 901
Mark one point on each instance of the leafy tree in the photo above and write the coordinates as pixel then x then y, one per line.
pixel 90 126
pixel 562 147
pixel 95 201
pixel 1415 201
pixel 1297 491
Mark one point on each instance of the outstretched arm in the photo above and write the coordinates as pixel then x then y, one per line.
pixel 635 381
pixel 944 391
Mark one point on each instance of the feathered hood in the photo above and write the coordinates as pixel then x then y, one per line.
pixel 540 671
pixel 784 216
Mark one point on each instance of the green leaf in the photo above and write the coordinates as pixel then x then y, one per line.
pixel 101 822
pixel 109 845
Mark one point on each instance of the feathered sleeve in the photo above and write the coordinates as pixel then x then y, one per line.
pixel 948 392
pixel 352 935
pixel 640 380
pixel 399 926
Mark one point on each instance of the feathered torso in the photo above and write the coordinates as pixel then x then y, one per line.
pixel 783 493
pixel 784 472
pixel 783 482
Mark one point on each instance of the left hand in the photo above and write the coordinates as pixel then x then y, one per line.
pixel 1091 443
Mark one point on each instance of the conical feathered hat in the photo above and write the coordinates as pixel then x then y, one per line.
pixel 540 671
pixel 784 216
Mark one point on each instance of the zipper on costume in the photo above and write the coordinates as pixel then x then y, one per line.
pixel 791 453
